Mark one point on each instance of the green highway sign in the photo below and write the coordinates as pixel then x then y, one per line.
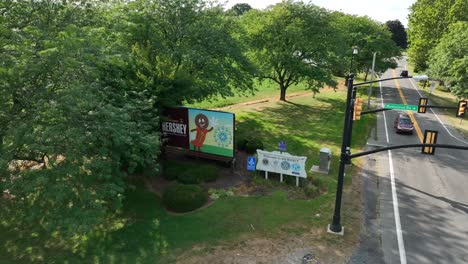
pixel 401 107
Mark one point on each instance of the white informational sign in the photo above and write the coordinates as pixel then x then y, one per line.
pixel 282 163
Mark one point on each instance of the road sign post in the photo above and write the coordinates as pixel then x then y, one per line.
pixel 251 162
pixel 282 146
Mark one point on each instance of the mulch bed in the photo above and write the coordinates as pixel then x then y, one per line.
pixel 235 176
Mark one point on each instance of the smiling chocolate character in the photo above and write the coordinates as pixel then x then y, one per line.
pixel 202 123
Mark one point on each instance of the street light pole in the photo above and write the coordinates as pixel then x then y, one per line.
pixel 355 52
pixel 336 227
pixel 353 96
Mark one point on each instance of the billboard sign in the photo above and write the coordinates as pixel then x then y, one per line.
pixel 206 131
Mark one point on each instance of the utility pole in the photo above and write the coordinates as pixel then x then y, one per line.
pixel 369 92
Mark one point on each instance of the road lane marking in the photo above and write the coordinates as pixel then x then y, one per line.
pixel 403 98
pixel 384 117
pixel 396 210
pixel 437 117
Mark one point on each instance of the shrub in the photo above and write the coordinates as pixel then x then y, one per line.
pixel 182 198
pixel 196 173
pixel 207 173
pixel 317 181
pixel 215 194
pixel 252 145
pixel 240 143
pixel 311 191
pixel 188 177
pixel 172 169
pixel 189 172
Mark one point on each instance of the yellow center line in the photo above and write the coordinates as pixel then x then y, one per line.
pixel 416 126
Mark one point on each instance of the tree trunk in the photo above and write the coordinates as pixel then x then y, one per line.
pixel 365 78
pixel 283 92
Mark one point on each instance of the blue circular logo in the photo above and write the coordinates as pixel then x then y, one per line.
pixel 296 167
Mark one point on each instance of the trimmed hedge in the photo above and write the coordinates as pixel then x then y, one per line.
pixel 183 198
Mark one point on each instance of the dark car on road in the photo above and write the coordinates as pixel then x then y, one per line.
pixel 403 124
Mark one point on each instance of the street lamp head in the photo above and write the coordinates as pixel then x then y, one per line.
pixel 355 50
pixel 421 78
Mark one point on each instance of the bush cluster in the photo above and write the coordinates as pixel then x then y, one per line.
pixel 183 198
pixel 215 194
pixel 190 173
pixel 249 145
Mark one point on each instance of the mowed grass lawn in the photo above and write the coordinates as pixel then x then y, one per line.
pixel 306 124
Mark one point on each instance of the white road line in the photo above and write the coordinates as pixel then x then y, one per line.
pixel 396 210
pixel 440 121
pixel 385 118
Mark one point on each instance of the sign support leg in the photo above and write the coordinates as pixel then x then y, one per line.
pixel 281 177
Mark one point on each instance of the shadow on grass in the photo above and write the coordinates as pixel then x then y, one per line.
pixel 140 240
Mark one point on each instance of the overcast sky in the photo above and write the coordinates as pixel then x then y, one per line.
pixel 380 10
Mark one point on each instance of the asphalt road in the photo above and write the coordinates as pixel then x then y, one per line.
pixel 416 206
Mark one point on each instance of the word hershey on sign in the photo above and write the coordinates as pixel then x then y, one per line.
pixel 174 128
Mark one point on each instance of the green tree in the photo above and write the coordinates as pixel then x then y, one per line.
pixel 428 21
pixel 368 37
pixel 291 42
pixel 398 33
pixel 184 50
pixel 448 61
pixel 239 9
pixel 72 127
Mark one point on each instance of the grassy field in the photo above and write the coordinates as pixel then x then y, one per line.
pixel 306 124
pixel 265 89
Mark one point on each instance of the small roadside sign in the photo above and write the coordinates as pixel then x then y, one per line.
pixel 251 162
pixel 401 107
pixel 282 146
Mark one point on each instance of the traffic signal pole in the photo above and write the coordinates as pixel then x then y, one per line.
pixel 336 227
pixel 345 156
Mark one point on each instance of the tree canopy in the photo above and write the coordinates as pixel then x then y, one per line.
pixel 448 61
pixel 68 135
pixel 398 33
pixel 428 21
pixel 368 37
pixel 82 84
pixel 239 9
pixel 291 42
